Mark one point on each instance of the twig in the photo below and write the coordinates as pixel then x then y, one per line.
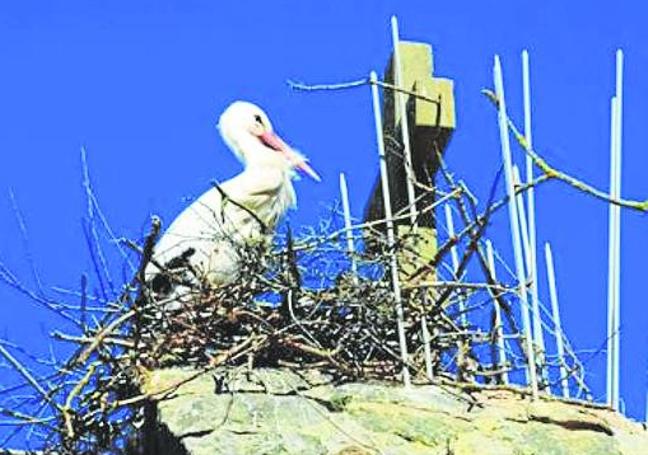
pixel 552 173
pixel 295 85
pixel 99 338
pixel 92 199
pixel 20 368
pixel 67 407
pixel 23 230
pixel 226 199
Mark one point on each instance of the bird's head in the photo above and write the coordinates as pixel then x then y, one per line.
pixel 247 130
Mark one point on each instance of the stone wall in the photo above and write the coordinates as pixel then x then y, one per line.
pixel 270 411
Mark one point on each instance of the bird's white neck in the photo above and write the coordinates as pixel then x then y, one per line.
pixel 258 155
pixel 268 172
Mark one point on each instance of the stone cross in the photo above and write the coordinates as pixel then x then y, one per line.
pixel 430 128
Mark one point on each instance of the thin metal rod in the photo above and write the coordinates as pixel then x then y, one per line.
pixel 455 262
pixel 538 336
pixel 404 124
pixel 614 245
pixel 346 210
pixel 513 219
pixel 532 261
pixel 553 295
pixel 611 262
pixel 617 213
pixel 499 326
pixel 409 169
pixel 384 180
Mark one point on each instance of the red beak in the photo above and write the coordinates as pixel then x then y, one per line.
pixel 275 143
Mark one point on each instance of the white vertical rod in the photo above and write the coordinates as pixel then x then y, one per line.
pixel 455 262
pixel 611 263
pixel 384 180
pixel 409 169
pixel 513 219
pixel 553 295
pixel 344 193
pixel 614 245
pixel 532 266
pixel 538 336
pixel 499 331
pixel 404 123
pixel 617 239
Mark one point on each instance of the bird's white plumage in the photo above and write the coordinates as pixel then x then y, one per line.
pixel 211 231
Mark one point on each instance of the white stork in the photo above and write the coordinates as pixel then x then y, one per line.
pixel 206 238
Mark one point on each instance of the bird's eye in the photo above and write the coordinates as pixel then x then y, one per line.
pixel 258 119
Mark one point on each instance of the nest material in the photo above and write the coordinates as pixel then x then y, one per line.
pixel 348 331
pixel 297 306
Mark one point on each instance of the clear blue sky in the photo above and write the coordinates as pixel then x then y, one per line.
pixel 141 87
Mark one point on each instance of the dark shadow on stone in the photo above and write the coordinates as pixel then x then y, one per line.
pixel 155 437
pixel 195 434
pixel 575 424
